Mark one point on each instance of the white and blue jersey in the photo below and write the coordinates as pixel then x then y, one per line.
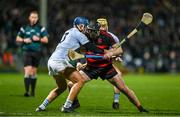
pixel 72 39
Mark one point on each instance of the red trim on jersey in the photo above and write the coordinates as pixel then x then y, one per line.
pixel 105 33
pixel 105 41
pixel 102 46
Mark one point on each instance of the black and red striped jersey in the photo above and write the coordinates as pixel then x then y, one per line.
pixel 104 41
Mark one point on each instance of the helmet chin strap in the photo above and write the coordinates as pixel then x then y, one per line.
pixel 80 27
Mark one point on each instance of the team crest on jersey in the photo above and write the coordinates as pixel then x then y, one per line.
pixel 100 40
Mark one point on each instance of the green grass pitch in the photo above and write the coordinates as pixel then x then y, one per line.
pixel 160 94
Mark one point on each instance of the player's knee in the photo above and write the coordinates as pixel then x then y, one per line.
pixel 27 72
pixel 122 88
pixel 81 82
pixel 125 90
pixel 33 73
pixel 120 74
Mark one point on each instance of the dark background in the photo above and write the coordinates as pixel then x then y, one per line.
pixel 156 49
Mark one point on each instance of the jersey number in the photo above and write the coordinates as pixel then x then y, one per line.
pixel 64 37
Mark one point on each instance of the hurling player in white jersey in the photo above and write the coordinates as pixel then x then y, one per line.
pixel 60 68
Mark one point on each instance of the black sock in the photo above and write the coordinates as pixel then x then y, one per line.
pixel 27 82
pixel 142 109
pixel 33 85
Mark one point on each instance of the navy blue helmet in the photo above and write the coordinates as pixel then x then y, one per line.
pixel 81 20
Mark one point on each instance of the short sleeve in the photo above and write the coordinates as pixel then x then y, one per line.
pixel 82 38
pixel 114 37
pixel 44 32
pixel 21 32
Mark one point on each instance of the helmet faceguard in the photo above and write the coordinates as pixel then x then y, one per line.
pixel 104 24
pixel 93 30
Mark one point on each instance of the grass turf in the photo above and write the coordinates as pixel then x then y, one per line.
pixel 160 94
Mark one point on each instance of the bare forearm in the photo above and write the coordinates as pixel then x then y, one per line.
pixel 117 51
pixel 19 39
pixel 44 40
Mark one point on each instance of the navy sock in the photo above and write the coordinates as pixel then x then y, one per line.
pixel 33 85
pixel 27 82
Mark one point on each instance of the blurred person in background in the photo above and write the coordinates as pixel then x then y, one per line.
pixel 32 36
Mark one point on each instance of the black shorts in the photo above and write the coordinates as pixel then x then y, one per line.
pixel 102 72
pixel 31 58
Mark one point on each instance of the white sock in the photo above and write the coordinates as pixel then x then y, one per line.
pixel 116 97
pixel 68 103
pixel 44 104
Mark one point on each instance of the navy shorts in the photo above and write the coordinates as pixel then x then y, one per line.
pixel 102 72
pixel 31 58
